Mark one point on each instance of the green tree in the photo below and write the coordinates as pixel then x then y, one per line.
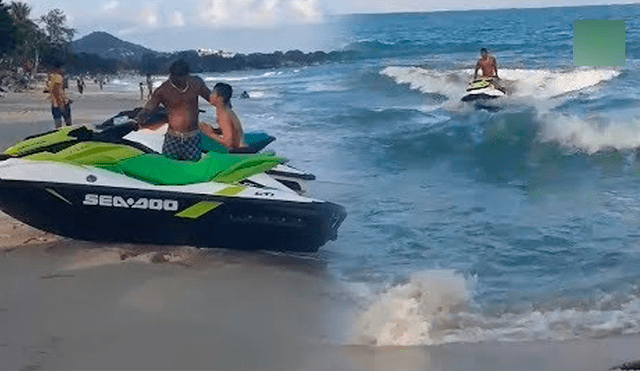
pixel 20 12
pixel 30 39
pixel 58 34
pixel 7 40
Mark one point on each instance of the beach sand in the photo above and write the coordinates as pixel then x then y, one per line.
pixel 72 305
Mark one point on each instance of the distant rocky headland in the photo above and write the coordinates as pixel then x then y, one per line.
pixel 101 52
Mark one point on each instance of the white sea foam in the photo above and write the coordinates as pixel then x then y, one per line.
pixel 229 79
pixel 404 315
pixel 590 134
pixel 448 83
pixel 435 307
pixel 263 94
pixel 242 78
pixel 544 84
pixel 326 87
pixel 530 84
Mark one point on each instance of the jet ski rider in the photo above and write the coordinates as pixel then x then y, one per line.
pixel 489 66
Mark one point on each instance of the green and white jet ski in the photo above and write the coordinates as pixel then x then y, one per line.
pixel 482 89
pixel 97 186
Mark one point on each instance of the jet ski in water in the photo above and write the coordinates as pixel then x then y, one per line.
pixel 97 186
pixel 483 89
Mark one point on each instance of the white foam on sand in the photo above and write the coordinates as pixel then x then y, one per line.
pixel 98 257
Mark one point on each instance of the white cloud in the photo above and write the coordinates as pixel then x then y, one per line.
pixel 177 19
pixel 149 16
pixel 258 13
pixel 306 10
pixel 110 6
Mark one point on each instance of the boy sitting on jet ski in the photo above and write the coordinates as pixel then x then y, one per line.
pixel 179 94
pixel 228 122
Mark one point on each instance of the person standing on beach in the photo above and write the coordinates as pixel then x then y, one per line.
pixel 179 94
pixel 141 91
pixel 80 82
pixel 149 84
pixel 60 105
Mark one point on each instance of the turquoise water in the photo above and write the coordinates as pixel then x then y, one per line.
pixel 467 225
pixel 517 223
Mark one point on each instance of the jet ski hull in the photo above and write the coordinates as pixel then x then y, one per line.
pixel 480 90
pixel 480 96
pixel 100 187
pixel 144 216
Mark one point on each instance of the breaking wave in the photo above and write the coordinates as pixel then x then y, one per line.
pixel 591 134
pixel 537 84
pixel 436 307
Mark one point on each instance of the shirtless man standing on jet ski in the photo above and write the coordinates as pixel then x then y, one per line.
pixel 179 94
pixel 489 66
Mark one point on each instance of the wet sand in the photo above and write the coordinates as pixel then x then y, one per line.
pixel 79 306
pixel 72 305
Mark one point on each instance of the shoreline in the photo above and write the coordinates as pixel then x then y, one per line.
pixel 83 305
pixel 68 304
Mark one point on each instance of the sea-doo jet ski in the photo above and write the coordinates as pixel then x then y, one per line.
pixel 97 186
pixel 286 174
pixel 483 89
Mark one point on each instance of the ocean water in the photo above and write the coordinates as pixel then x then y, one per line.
pixel 465 224
pixel 469 225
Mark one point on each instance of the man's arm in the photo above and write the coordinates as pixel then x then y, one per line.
pixel 475 73
pixel 227 137
pixel 152 104
pixel 203 90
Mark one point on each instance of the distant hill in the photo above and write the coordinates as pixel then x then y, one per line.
pixel 115 55
pixel 108 46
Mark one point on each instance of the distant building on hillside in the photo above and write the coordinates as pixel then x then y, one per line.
pixel 220 53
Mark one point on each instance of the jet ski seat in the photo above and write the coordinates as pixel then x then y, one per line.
pixel 157 169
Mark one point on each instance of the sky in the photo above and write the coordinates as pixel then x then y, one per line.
pixel 248 25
